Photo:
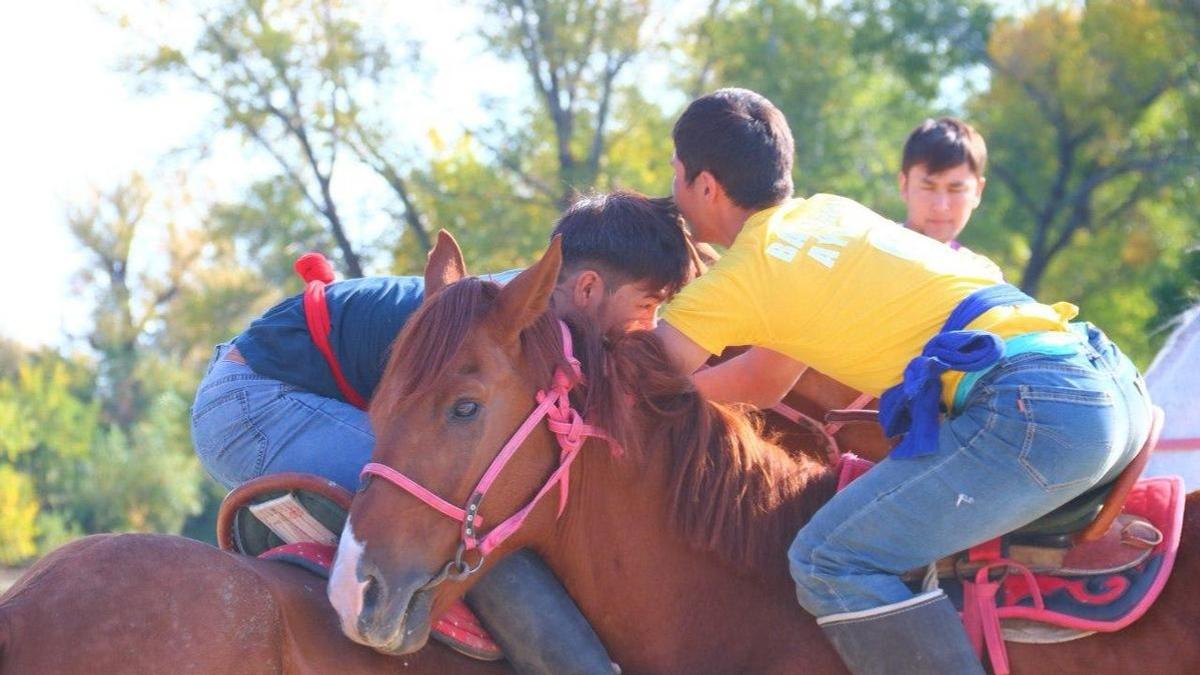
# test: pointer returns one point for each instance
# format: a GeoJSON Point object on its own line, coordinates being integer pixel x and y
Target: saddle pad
{"type": "Point", "coordinates": [458, 628]}
{"type": "Point", "coordinates": [1108, 602]}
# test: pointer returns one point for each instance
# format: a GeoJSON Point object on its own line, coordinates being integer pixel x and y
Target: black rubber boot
{"type": "Point", "coordinates": [921, 636]}
{"type": "Point", "coordinates": [529, 614]}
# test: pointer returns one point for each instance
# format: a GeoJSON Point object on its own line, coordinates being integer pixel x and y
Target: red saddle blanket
{"type": "Point", "coordinates": [1002, 597]}
{"type": "Point", "coordinates": [458, 628]}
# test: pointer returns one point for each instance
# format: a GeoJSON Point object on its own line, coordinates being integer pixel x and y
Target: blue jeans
{"type": "Point", "coordinates": [1034, 433]}
{"type": "Point", "coordinates": [245, 425]}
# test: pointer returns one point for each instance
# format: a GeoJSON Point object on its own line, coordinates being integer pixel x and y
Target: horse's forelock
{"type": "Point", "coordinates": [433, 337]}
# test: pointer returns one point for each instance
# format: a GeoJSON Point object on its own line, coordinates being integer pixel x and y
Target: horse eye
{"type": "Point", "coordinates": [464, 410]}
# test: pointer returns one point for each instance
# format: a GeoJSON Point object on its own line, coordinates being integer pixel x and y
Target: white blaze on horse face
{"type": "Point", "coordinates": [345, 590]}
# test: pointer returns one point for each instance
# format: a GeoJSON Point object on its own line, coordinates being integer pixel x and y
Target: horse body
{"type": "Point", "coordinates": [157, 604]}
{"type": "Point", "coordinates": [676, 552]}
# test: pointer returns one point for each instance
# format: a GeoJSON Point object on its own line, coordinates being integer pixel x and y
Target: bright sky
{"type": "Point", "coordinates": [69, 124]}
{"type": "Point", "coordinates": [66, 122]}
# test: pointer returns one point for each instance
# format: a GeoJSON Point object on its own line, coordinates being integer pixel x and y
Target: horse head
{"type": "Point", "coordinates": [463, 375]}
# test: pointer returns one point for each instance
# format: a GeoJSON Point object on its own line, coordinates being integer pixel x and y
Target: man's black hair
{"type": "Point", "coordinates": [627, 237]}
{"type": "Point", "coordinates": [743, 140]}
{"type": "Point", "coordinates": [943, 144]}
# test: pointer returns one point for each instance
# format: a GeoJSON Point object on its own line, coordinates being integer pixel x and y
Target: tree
{"type": "Point", "coordinates": [1083, 116]}
{"type": "Point", "coordinates": [48, 421]}
{"type": "Point", "coordinates": [496, 221]}
{"type": "Point", "coordinates": [105, 228]}
{"type": "Point", "coordinates": [291, 77]}
{"type": "Point", "coordinates": [922, 41]}
{"type": "Point", "coordinates": [575, 52]}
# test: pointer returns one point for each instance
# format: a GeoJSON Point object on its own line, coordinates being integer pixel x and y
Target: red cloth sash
{"type": "Point", "coordinates": [317, 273]}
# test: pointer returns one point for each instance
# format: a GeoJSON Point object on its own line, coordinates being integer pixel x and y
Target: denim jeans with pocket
{"type": "Point", "coordinates": [1034, 433]}
{"type": "Point", "coordinates": [245, 425]}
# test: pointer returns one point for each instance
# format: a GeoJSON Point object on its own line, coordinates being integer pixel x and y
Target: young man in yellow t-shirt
{"type": "Point", "coordinates": [993, 381]}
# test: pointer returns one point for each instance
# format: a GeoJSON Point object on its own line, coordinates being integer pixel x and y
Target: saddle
{"type": "Point", "coordinates": [296, 518]}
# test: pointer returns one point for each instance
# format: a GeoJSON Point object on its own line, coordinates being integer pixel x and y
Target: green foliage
{"type": "Point", "coordinates": [267, 230]}
{"type": "Point", "coordinates": [47, 425]}
{"type": "Point", "coordinates": [848, 122]}
{"type": "Point", "coordinates": [497, 222]}
{"type": "Point", "coordinates": [146, 481]}
{"type": "Point", "coordinates": [922, 41]}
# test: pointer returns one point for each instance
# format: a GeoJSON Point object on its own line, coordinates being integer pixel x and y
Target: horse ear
{"type": "Point", "coordinates": [527, 297]}
{"type": "Point", "coordinates": [445, 265]}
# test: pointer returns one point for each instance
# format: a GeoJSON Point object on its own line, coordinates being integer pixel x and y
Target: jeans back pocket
{"type": "Point", "coordinates": [1068, 435]}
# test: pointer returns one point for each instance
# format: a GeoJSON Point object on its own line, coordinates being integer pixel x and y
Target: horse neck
{"type": "Point", "coordinates": [632, 572]}
{"type": "Point", "coordinates": [823, 392]}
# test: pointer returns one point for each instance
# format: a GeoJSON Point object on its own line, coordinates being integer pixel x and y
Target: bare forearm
{"type": "Point", "coordinates": [759, 377]}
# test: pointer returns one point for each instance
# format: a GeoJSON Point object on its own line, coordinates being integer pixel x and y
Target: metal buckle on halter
{"type": "Point", "coordinates": [457, 569]}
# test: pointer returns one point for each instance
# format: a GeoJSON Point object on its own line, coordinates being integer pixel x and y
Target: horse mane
{"type": "Point", "coordinates": [731, 492]}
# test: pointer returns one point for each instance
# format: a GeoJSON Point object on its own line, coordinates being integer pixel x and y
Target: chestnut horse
{"type": "Point", "coordinates": [141, 603]}
{"type": "Point", "coordinates": [674, 546]}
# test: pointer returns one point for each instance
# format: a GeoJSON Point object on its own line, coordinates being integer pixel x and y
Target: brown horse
{"type": "Point", "coordinates": [160, 604]}
{"type": "Point", "coordinates": [675, 548]}
{"type": "Point", "coordinates": [800, 421]}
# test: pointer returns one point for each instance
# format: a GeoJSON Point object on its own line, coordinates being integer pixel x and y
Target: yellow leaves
{"type": "Point", "coordinates": [1088, 65]}
{"type": "Point", "coordinates": [436, 142]}
{"type": "Point", "coordinates": [39, 408]}
{"type": "Point", "coordinates": [18, 517]}
{"type": "Point", "coordinates": [166, 56]}
{"type": "Point", "coordinates": [1140, 248]}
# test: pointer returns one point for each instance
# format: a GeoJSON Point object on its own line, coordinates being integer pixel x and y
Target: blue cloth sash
{"type": "Point", "coordinates": [912, 407]}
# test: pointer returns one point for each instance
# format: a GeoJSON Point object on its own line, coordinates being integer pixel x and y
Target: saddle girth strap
{"type": "Point", "coordinates": [317, 273]}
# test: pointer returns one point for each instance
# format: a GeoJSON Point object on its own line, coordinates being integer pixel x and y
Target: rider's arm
{"type": "Point", "coordinates": [685, 353]}
{"type": "Point", "coordinates": [759, 377]}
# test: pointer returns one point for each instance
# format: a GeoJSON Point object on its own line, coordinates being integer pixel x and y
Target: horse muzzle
{"type": "Point", "coordinates": [388, 613]}
{"type": "Point", "coordinates": [392, 617]}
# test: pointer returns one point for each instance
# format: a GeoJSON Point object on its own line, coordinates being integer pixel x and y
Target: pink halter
{"type": "Point", "coordinates": [570, 430]}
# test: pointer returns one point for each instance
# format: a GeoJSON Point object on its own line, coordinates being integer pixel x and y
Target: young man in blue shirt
{"type": "Point", "coordinates": [269, 402]}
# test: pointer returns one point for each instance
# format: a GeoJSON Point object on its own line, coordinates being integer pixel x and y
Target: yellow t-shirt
{"type": "Point", "coordinates": [834, 285]}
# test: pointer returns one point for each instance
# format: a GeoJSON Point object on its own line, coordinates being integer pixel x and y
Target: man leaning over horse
{"type": "Point", "coordinates": [269, 402]}
{"type": "Point", "coordinates": [1008, 410]}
